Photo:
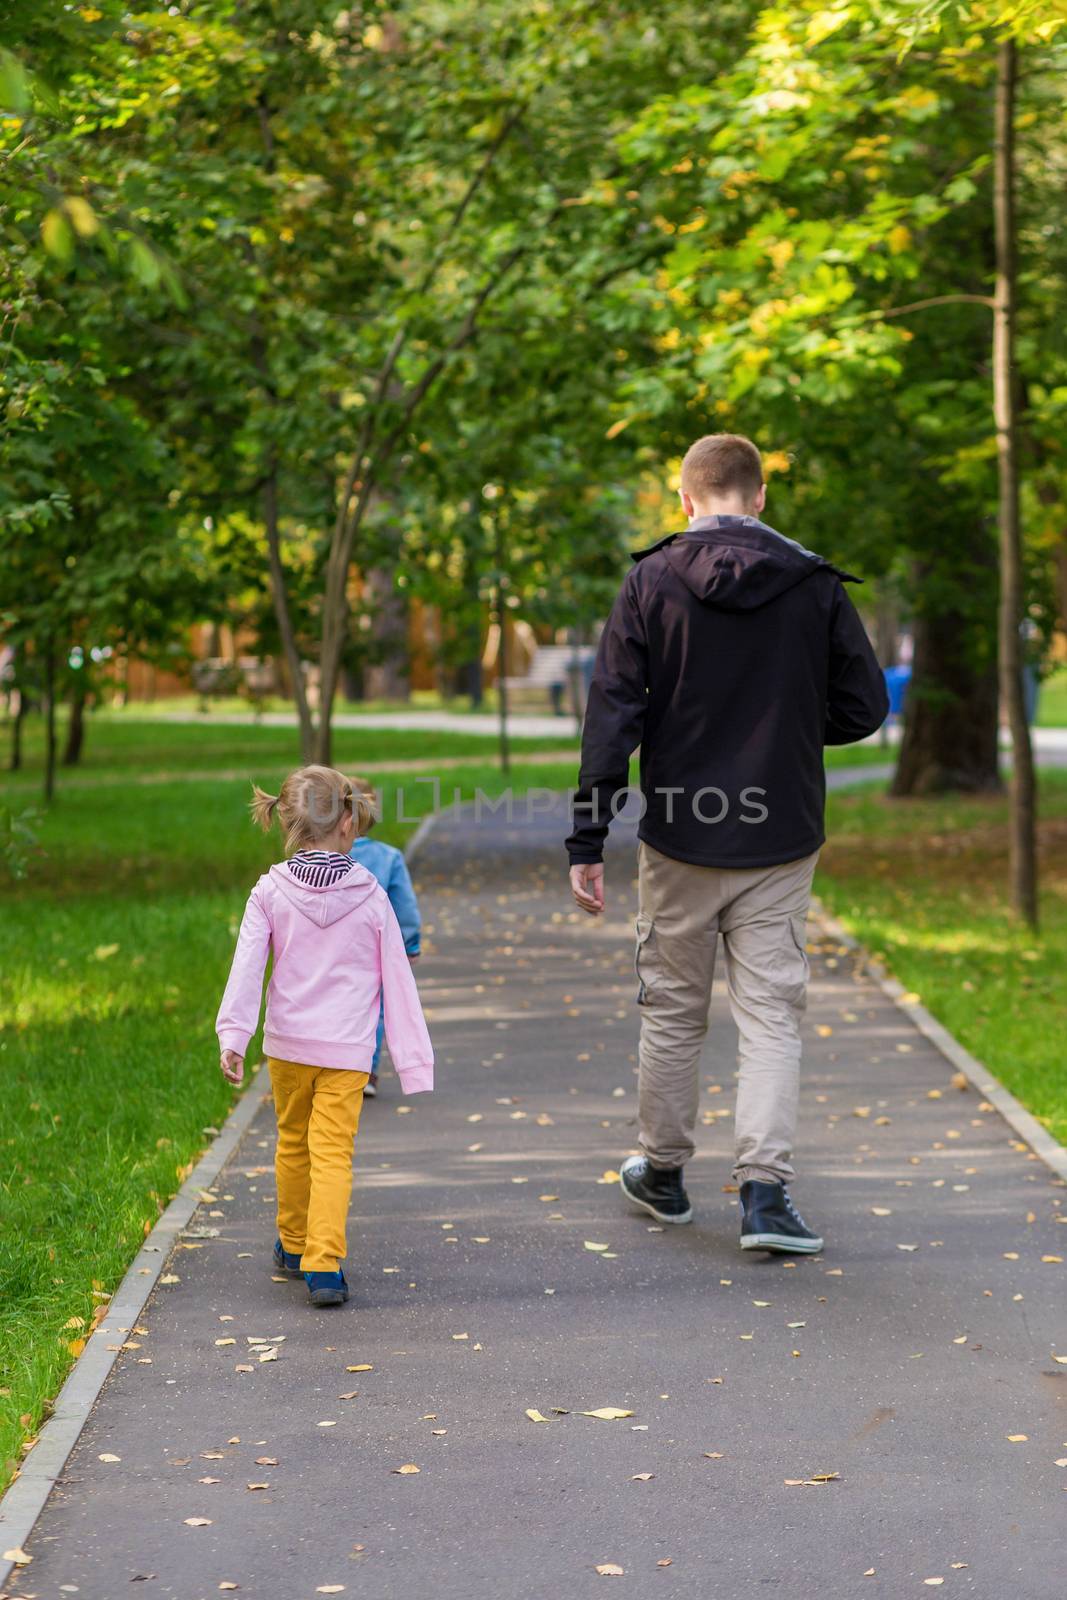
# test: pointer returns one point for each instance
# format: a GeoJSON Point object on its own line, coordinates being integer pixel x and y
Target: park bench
{"type": "Point", "coordinates": [248, 675]}
{"type": "Point", "coordinates": [555, 667]}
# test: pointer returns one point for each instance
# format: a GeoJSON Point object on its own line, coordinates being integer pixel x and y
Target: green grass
{"type": "Point", "coordinates": [419, 700]}
{"type": "Point", "coordinates": [1052, 701]}
{"type": "Point", "coordinates": [115, 952]}
{"type": "Point", "coordinates": [123, 743]}
{"type": "Point", "coordinates": [923, 883]}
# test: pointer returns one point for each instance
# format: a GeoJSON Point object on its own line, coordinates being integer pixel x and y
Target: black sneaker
{"type": "Point", "coordinates": [770, 1220]}
{"type": "Point", "coordinates": [657, 1190]}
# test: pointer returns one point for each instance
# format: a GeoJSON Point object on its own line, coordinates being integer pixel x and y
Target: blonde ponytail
{"type": "Point", "coordinates": [365, 808]}
{"type": "Point", "coordinates": [263, 807]}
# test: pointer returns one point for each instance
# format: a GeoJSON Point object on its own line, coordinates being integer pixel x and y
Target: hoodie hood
{"type": "Point", "coordinates": [324, 904]}
{"type": "Point", "coordinates": [740, 563]}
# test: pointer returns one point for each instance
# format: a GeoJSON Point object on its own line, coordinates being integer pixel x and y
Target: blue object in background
{"type": "Point", "coordinates": [896, 682]}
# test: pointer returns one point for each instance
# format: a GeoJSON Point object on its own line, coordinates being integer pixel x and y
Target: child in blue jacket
{"type": "Point", "coordinates": [387, 864]}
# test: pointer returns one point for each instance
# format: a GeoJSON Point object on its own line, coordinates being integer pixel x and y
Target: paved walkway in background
{"type": "Point", "coordinates": [520, 725]}
{"type": "Point", "coordinates": [497, 1271]}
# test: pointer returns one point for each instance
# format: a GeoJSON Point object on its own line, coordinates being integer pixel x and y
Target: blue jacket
{"type": "Point", "coordinates": [387, 864]}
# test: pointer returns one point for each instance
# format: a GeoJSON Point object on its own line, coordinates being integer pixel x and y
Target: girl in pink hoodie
{"type": "Point", "coordinates": [338, 956]}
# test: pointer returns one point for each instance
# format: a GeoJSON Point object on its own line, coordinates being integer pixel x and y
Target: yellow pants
{"type": "Point", "coordinates": [318, 1113]}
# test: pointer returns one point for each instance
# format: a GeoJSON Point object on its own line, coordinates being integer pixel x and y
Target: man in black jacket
{"type": "Point", "coordinates": [732, 656]}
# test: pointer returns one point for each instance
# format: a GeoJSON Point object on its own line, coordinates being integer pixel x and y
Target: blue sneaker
{"type": "Point", "coordinates": [327, 1288]}
{"type": "Point", "coordinates": [285, 1261]}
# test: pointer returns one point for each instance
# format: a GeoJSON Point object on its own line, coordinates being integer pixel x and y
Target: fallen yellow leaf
{"type": "Point", "coordinates": [609, 1569]}
{"type": "Point", "coordinates": [591, 1245]}
{"type": "Point", "coordinates": [362, 1367]}
{"type": "Point", "coordinates": [607, 1413]}
{"type": "Point", "coordinates": [406, 1470]}
{"type": "Point", "coordinates": [1017, 1438]}
{"type": "Point", "coordinates": [535, 1416]}
{"type": "Point", "coordinates": [642, 1477]}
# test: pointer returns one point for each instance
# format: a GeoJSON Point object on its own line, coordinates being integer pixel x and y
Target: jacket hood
{"type": "Point", "coordinates": [740, 563]}
{"type": "Point", "coordinates": [329, 902]}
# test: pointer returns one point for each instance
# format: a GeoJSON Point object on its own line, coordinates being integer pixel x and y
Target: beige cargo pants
{"type": "Point", "coordinates": [760, 913]}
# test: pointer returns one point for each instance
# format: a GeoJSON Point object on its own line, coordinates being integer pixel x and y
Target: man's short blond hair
{"type": "Point", "coordinates": [722, 464]}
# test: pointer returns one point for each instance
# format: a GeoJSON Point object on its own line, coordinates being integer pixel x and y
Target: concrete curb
{"type": "Point", "coordinates": [1015, 1114]}
{"type": "Point", "coordinates": [25, 1499]}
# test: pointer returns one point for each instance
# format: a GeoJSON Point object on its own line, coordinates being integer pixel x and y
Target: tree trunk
{"type": "Point", "coordinates": [1059, 566]}
{"type": "Point", "coordinates": [502, 652]}
{"type": "Point", "coordinates": [388, 678]}
{"type": "Point", "coordinates": [886, 627]}
{"type": "Point", "coordinates": [76, 726]}
{"type": "Point", "coordinates": [50, 721]}
{"type": "Point", "coordinates": [950, 720]}
{"type": "Point", "coordinates": [1023, 813]}
{"type": "Point", "coordinates": [280, 597]}
{"type": "Point", "coordinates": [15, 762]}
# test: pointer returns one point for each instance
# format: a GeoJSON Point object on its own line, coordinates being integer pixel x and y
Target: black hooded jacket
{"type": "Point", "coordinates": [732, 656]}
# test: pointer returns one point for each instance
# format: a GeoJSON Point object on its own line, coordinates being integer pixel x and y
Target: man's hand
{"type": "Point", "coordinates": [587, 886]}
{"type": "Point", "coordinates": [233, 1066]}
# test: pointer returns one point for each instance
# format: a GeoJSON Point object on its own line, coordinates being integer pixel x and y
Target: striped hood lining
{"type": "Point", "coordinates": [318, 868]}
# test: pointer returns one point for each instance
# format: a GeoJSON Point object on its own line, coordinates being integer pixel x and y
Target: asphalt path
{"type": "Point", "coordinates": [888, 1419]}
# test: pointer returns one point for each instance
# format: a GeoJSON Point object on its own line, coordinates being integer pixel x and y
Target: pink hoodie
{"type": "Point", "coordinates": [337, 949]}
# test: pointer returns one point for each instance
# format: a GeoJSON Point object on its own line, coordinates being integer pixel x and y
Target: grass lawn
{"type": "Point", "coordinates": [922, 883]}
{"type": "Point", "coordinates": [140, 745]}
{"type": "Point", "coordinates": [127, 742]}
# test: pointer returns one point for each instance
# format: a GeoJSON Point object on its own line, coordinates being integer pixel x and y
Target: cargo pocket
{"type": "Point", "coordinates": [798, 927]}
{"type": "Point", "coordinates": [645, 963]}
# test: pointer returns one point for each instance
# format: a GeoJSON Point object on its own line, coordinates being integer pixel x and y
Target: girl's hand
{"type": "Point", "coordinates": [233, 1066]}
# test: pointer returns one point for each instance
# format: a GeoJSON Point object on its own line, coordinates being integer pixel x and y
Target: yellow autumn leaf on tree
{"type": "Point", "coordinates": [82, 215]}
